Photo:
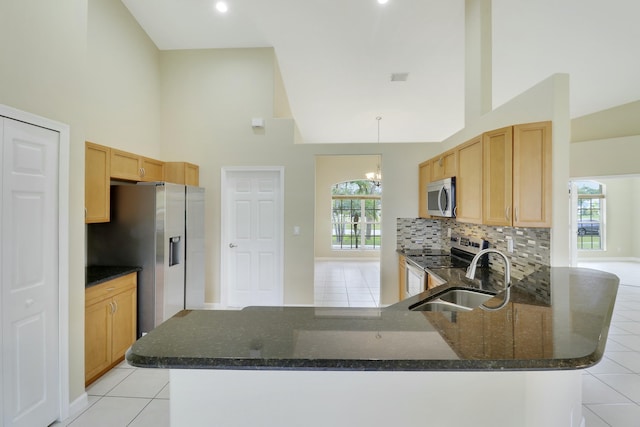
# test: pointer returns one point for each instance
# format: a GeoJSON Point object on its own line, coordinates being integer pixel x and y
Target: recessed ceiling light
{"type": "Point", "coordinates": [383, 1]}
{"type": "Point", "coordinates": [222, 7]}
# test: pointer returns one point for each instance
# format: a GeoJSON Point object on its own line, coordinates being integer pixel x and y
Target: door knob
{"type": "Point", "coordinates": [231, 245]}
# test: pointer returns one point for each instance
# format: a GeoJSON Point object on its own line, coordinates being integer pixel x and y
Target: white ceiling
{"type": "Point", "coordinates": [336, 56]}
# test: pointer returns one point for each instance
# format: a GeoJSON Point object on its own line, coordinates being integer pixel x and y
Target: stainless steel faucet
{"type": "Point", "coordinates": [471, 273]}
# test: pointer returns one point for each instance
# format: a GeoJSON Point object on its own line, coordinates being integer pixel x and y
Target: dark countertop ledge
{"type": "Point", "coordinates": [96, 274]}
{"type": "Point", "coordinates": [568, 312]}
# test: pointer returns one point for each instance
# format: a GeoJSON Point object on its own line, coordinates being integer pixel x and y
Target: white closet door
{"type": "Point", "coordinates": [253, 228]}
{"type": "Point", "coordinates": [29, 274]}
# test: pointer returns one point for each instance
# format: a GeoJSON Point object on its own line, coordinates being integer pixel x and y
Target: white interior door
{"type": "Point", "coordinates": [29, 274]}
{"type": "Point", "coordinates": [252, 243]}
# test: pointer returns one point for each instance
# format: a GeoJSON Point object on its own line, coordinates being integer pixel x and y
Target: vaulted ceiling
{"type": "Point", "coordinates": [337, 57]}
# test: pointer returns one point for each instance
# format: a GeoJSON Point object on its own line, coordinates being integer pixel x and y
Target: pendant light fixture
{"type": "Point", "coordinates": [376, 177]}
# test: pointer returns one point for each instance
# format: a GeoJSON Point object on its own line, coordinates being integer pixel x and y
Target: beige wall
{"type": "Point", "coordinates": [123, 81]}
{"type": "Point", "coordinates": [43, 71]}
{"type": "Point", "coordinates": [614, 122]}
{"type": "Point", "coordinates": [331, 170]}
{"type": "Point", "coordinates": [208, 100]}
{"type": "Point", "coordinates": [606, 157]}
{"type": "Point", "coordinates": [89, 65]}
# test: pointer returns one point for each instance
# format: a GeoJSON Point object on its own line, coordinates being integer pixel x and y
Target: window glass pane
{"type": "Point", "coordinates": [590, 215]}
{"type": "Point", "coordinates": [356, 222]}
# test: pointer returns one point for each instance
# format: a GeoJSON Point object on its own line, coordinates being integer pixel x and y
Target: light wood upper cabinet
{"type": "Point", "coordinates": [497, 149]}
{"type": "Point", "coordinates": [443, 166]}
{"type": "Point", "coordinates": [517, 176]}
{"type": "Point", "coordinates": [469, 182]}
{"type": "Point", "coordinates": [182, 173]}
{"type": "Point", "coordinates": [110, 324]}
{"type": "Point", "coordinates": [532, 192]}
{"type": "Point", "coordinates": [424, 173]}
{"type": "Point", "coordinates": [125, 165]}
{"type": "Point", "coordinates": [152, 169]}
{"type": "Point", "coordinates": [96, 186]}
{"type": "Point", "coordinates": [132, 167]}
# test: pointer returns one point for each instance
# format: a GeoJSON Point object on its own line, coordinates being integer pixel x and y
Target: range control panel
{"type": "Point", "coordinates": [468, 244]}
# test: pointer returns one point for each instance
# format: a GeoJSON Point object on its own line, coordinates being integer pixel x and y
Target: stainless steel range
{"type": "Point", "coordinates": [420, 263]}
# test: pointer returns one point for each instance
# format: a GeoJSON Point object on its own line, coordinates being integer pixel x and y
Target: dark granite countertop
{"type": "Point", "coordinates": [557, 318]}
{"type": "Point", "coordinates": [94, 275]}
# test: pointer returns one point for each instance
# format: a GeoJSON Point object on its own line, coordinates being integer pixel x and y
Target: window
{"type": "Point", "coordinates": [590, 215]}
{"type": "Point", "coordinates": [356, 215]}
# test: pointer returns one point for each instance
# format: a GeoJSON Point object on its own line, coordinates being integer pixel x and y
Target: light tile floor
{"type": "Point", "coordinates": [127, 396]}
{"type": "Point", "coordinates": [611, 389]}
{"type": "Point", "coordinates": [347, 283]}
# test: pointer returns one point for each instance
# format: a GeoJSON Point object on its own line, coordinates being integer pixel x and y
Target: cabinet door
{"type": "Point", "coordinates": [123, 323]}
{"type": "Point", "coordinates": [402, 277]}
{"type": "Point", "coordinates": [497, 147]}
{"type": "Point", "coordinates": [182, 173]}
{"type": "Point", "coordinates": [443, 166]}
{"type": "Point", "coordinates": [424, 175]}
{"type": "Point", "coordinates": [469, 182]}
{"type": "Point", "coordinates": [191, 174]}
{"type": "Point", "coordinates": [532, 175]}
{"type": "Point", "coordinates": [96, 185]}
{"type": "Point", "coordinates": [97, 339]}
{"type": "Point", "coordinates": [152, 170]}
{"type": "Point", "coordinates": [125, 165]}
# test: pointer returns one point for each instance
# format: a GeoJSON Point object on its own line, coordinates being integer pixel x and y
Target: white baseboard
{"type": "Point", "coordinates": [609, 259]}
{"type": "Point", "coordinates": [213, 306]}
{"type": "Point", "coordinates": [77, 406]}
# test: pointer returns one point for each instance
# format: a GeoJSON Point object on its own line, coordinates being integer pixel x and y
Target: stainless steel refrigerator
{"type": "Point", "coordinates": [159, 227]}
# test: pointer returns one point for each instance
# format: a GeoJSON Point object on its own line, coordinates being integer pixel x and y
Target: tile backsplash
{"type": "Point", "coordinates": [531, 246]}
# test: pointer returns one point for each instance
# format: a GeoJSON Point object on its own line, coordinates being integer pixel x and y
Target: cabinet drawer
{"type": "Point", "coordinates": [110, 288]}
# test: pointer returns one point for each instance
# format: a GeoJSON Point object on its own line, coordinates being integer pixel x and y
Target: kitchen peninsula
{"type": "Point", "coordinates": [520, 365]}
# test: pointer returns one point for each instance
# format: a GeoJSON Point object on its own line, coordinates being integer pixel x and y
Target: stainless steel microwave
{"type": "Point", "coordinates": [441, 198]}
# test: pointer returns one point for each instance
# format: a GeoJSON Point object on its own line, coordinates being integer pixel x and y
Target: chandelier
{"type": "Point", "coordinates": [376, 177]}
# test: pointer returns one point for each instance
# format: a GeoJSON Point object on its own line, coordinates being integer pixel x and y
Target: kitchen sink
{"type": "Point", "coordinates": [453, 300]}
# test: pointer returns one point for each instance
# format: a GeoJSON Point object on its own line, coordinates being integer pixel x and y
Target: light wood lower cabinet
{"type": "Point", "coordinates": [110, 324]}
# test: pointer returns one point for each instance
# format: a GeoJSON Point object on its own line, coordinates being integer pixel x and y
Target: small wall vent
{"type": "Point", "coordinates": [399, 77]}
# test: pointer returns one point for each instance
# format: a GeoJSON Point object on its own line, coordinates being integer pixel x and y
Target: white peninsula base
{"type": "Point", "coordinates": [353, 398]}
